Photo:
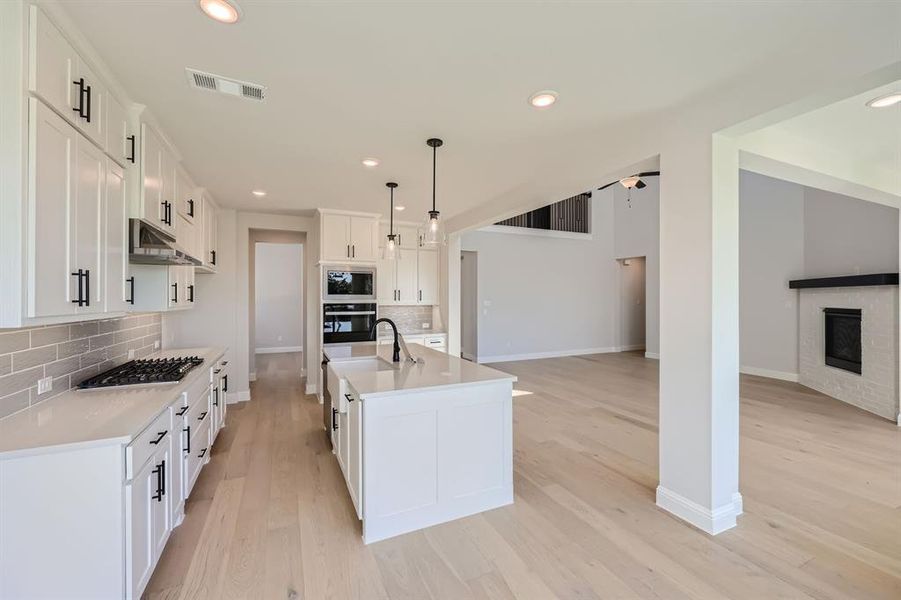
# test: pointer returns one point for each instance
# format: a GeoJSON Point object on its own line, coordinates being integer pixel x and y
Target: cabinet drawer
{"type": "Point", "coordinates": [199, 452]}
{"type": "Point", "coordinates": [148, 442]}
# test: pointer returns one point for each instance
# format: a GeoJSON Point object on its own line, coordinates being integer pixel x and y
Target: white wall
{"type": "Point", "coordinates": [279, 296]}
{"type": "Point", "coordinates": [790, 231]}
{"type": "Point", "coordinates": [554, 296]}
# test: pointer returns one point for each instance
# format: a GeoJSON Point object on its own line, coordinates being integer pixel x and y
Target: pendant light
{"type": "Point", "coordinates": [434, 230]}
{"type": "Point", "coordinates": [391, 250]}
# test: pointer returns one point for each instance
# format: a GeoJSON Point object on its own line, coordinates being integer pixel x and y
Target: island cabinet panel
{"type": "Point", "coordinates": [433, 455]}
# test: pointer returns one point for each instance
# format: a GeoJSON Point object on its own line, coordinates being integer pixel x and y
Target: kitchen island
{"type": "Point", "coordinates": [419, 444]}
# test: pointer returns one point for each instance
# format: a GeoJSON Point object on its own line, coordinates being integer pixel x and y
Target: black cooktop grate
{"type": "Point", "coordinates": [136, 372]}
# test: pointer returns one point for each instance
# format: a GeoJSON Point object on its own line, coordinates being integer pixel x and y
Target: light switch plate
{"type": "Point", "coordinates": [131, 354]}
{"type": "Point", "coordinates": [156, 345]}
{"type": "Point", "coordinates": [45, 385]}
{"type": "Point", "coordinates": [426, 325]}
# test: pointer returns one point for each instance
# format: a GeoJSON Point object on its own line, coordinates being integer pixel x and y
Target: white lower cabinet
{"type": "Point", "coordinates": [104, 536]}
{"type": "Point", "coordinates": [353, 472]}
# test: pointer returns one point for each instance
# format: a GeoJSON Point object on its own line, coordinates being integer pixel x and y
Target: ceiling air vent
{"type": "Point", "coordinates": [225, 85]}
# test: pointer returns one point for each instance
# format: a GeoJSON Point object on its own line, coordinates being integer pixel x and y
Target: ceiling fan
{"type": "Point", "coordinates": [633, 181]}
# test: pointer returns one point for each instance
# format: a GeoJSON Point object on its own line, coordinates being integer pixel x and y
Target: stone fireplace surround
{"type": "Point", "coordinates": [876, 389]}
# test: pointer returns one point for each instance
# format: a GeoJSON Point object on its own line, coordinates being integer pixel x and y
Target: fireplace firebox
{"type": "Point", "coordinates": [842, 330]}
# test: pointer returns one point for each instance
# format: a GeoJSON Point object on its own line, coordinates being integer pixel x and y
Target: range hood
{"type": "Point", "coordinates": [147, 245]}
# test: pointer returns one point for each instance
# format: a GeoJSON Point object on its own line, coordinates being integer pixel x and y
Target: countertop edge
{"type": "Point", "coordinates": [429, 388]}
{"type": "Point", "coordinates": [215, 352]}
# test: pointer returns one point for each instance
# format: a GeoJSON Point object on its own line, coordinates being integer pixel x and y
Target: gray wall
{"type": "Point", "coordinates": [771, 246]}
{"type": "Point", "coordinates": [558, 296]}
{"type": "Point", "coordinates": [789, 231]}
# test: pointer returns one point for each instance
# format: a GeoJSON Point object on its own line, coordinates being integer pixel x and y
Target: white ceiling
{"type": "Point", "coordinates": [348, 80]}
{"type": "Point", "coordinates": [846, 139]}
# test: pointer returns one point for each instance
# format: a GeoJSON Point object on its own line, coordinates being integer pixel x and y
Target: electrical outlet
{"type": "Point", "coordinates": [45, 385]}
{"type": "Point", "coordinates": [426, 325]}
{"type": "Point", "coordinates": [156, 345]}
{"type": "Point", "coordinates": [131, 354]}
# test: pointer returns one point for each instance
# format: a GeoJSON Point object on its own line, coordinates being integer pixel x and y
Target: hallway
{"type": "Point", "coordinates": [270, 516]}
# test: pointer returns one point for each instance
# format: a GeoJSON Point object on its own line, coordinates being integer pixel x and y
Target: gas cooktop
{"type": "Point", "coordinates": [138, 372]}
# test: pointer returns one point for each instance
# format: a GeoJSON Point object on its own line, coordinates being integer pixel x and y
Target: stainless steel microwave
{"type": "Point", "coordinates": [348, 284]}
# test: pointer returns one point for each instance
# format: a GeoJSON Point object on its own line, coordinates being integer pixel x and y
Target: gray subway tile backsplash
{"type": "Point", "coordinates": [69, 354]}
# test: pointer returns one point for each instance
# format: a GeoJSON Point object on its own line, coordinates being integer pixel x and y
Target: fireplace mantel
{"type": "Point", "coordinates": [845, 281]}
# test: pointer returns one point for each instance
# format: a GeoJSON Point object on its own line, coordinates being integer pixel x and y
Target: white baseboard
{"type": "Point", "coordinates": [631, 348]}
{"type": "Point", "coordinates": [710, 521]}
{"type": "Point", "coordinates": [279, 350]}
{"type": "Point", "coordinates": [783, 375]}
{"type": "Point", "coordinates": [252, 376]}
{"type": "Point", "coordinates": [311, 389]}
{"type": "Point", "coordinates": [553, 354]}
{"type": "Point", "coordinates": [244, 396]}
{"type": "Point", "coordinates": [652, 355]}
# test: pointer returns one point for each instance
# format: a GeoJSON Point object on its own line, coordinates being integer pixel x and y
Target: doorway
{"type": "Point", "coordinates": [633, 314]}
{"type": "Point", "coordinates": [469, 306]}
{"type": "Point", "coordinates": [277, 298]}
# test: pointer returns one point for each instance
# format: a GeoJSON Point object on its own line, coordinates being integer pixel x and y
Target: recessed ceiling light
{"type": "Point", "coordinates": [224, 11]}
{"type": "Point", "coordinates": [885, 101]}
{"type": "Point", "coordinates": [370, 162]}
{"type": "Point", "coordinates": [399, 207]}
{"type": "Point", "coordinates": [543, 99]}
{"type": "Point", "coordinates": [258, 193]}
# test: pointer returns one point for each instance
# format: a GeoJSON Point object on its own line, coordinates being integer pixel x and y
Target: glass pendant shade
{"type": "Point", "coordinates": [391, 251]}
{"type": "Point", "coordinates": [433, 232]}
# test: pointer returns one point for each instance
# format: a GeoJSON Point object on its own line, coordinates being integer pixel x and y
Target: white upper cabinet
{"type": "Point", "coordinates": [52, 65]}
{"type": "Point", "coordinates": [121, 141]}
{"type": "Point", "coordinates": [90, 189]}
{"type": "Point", "coordinates": [51, 208]}
{"type": "Point", "coordinates": [349, 237]}
{"type": "Point", "coordinates": [185, 192]}
{"type": "Point", "coordinates": [210, 224]}
{"type": "Point", "coordinates": [59, 76]}
{"type": "Point", "coordinates": [427, 277]}
{"type": "Point", "coordinates": [118, 283]}
{"type": "Point", "coordinates": [151, 194]}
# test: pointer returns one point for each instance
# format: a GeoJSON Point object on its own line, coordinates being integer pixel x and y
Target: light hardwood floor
{"type": "Point", "coordinates": [270, 516]}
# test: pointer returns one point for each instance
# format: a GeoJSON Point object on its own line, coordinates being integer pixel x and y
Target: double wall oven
{"type": "Point", "coordinates": [349, 304]}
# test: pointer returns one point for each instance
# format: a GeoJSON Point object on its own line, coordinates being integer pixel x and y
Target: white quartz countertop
{"type": "Point", "coordinates": [436, 370]}
{"type": "Point", "coordinates": [98, 416]}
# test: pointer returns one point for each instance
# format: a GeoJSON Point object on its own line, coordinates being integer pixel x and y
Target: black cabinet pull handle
{"type": "Point", "coordinates": [175, 287]}
{"type": "Point", "coordinates": [335, 419]}
{"type": "Point", "coordinates": [183, 410]}
{"type": "Point", "coordinates": [191, 293]}
{"type": "Point", "coordinates": [80, 108]}
{"type": "Point", "coordinates": [349, 397]}
{"type": "Point", "coordinates": [160, 472]}
{"type": "Point", "coordinates": [420, 295]}
{"type": "Point", "coordinates": [224, 362]}
{"type": "Point", "coordinates": [213, 255]}
{"type": "Point", "coordinates": [216, 396]}
{"type": "Point", "coordinates": [88, 116]}
{"type": "Point", "coordinates": [188, 438]}
{"type": "Point", "coordinates": [190, 207]}
{"type": "Point", "coordinates": [131, 140]}
{"type": "Point", "coordinates": [216, 371]}
{"type": "Point", "coordinates": [348, 251]}
{"type": "Point", "coordinates": [160, 437]}
{"type": "Point", "coordinates": [202, 452]}
{"type": "Point", "coordinates": [80, 275]}
{"type": "Point", "coordinates": [131, 284]}
{"type": "Point", "coordinates": [225, 383]}
{"type": "Point", "coordinates": [202, 416]}
{"type": "Point", "coordinates": [353, 251]}
{"type": "Point", "coordinates": [87, 287]}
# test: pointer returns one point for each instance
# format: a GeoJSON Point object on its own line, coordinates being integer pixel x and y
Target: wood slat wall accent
{"type": "Point", "coordinates": [572, 214]}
